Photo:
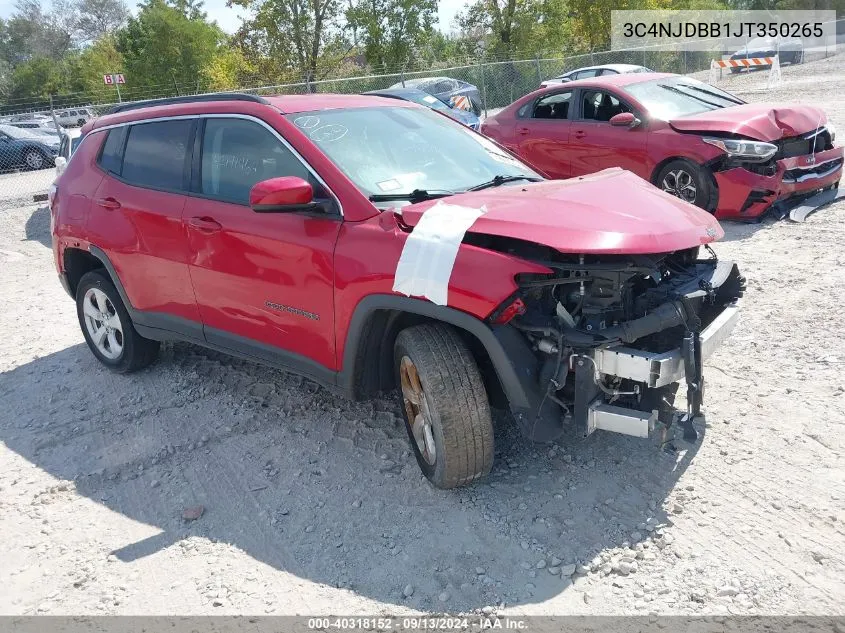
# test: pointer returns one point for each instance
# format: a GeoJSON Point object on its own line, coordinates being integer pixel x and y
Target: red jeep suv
{"type": "Point", "coordinates": [372, 244]}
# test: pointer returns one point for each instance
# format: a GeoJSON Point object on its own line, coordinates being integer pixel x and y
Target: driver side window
{"type": "Point", "coordinates": [554, 106]}
{"type": "Point", "coordinates": [236, 154]}
{"type": "Point", "coordinates": [601, 106]}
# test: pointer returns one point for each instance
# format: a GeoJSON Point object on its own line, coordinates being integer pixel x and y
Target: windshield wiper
{"type": "Point", "coordinates": [686, 94]}
{"type": "Point", "coordinates": [714, 94]}
{"type": "Point", "coordinates": [417, 195]}
{"type": "Point", "coordinates": [500, 180]}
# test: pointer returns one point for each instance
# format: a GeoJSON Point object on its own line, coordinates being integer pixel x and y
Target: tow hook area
{"type": "Point", "coordinates": [691, 351]}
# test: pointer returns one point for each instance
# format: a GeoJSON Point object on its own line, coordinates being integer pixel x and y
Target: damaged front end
{"type": "Point", "coordinates": [801, 168]}
{"type": "Point", "coordinates": [603, 341]}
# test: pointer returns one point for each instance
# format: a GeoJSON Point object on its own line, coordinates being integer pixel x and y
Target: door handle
{"type": "Point", "coordinates": [522, 131]}
{"type": "Point", "coordinates": [206, 224]}
{"type": "Point", "coordinates": [579, 134]}
{"type": "Point", "coordinates": [108, 203]}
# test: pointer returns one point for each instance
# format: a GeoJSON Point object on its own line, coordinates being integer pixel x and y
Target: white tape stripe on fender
{"type": "Point", "coordinates": [425, 265]}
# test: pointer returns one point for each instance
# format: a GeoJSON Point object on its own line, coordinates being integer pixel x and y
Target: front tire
{"type": "Point", "coordinates": [445, 405]}
{"type": "Point", "coordinates": [689, 182]}
{"type": "Point", "coordinates": [107, 327]}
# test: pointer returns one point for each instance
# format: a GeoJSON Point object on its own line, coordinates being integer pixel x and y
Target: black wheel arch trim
{"type": "Point", "coordinates": [154, 325]}
{"type": "Point", "coordinates": [512, 359]}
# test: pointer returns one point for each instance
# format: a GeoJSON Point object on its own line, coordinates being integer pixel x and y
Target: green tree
{"type": "Point", "coordinates": [299, 36]}
{"type": "Point", "coordinates": [162, 46]}
{"type": "Point", "coordinates": [507, 27]}
{"type": "Point", "coordinates": [37, 78]}
{"type": "Point", "coordinates": [31, 32]}
{"type": "Point", "coordinates": [5, 79]}
{"type": "Point", "coordinates": [87, 68]}
{"type": "Point", "coordinates": [97, 18]}
{"type": "Point", "coordinates": [227, 70]}
{"type": "Point", "coordinates": [391, 30]}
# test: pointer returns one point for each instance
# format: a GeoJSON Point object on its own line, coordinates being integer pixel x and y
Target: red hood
{"type": "Point", "coordinates": [755, 121]}
{"type": "Point", "coordinates": [612, 211]}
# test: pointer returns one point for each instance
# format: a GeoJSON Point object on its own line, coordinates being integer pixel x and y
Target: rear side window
{"type": "Point", "coordinates": [155, 154]}
{"type": "Point", "coordinates": [111, 156]}
{"type": "Point", "coordinates": [554, 106]}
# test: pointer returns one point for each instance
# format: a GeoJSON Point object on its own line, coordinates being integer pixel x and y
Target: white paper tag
{"type": "Point", "coordinates": [427, 259]}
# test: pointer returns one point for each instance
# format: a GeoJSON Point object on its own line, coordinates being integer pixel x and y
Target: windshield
{"type": "Point", "coordinates": [17, 132]}
{"type": "Point", "coordinates": [673, 97]}
{"type": "Point", "coordinates": [396, 150]}
{"type": "Point", "coordinates": [74, 143]}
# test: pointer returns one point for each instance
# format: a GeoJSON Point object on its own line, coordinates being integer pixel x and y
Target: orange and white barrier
{"type": "Point", "coordinates": [744, 63]}
{"type": "Point", "coordinates": [461, 102]}
{"type": "Point", "coordinates": [717, 65]}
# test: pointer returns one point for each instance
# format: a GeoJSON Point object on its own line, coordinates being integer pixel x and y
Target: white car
{"type": "Point", "coordinates": [595, 71]}
{"type": "Point", "coordinates": [75, 117]}
{"type": "Point", "coordinates": [71, 138]}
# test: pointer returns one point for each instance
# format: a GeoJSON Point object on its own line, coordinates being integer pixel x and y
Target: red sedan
{"type": "Point", "coordinates": [693, 140]}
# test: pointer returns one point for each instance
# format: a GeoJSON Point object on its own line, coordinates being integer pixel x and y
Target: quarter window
{"type": "Point", "coordinates": [155, 154]}
{"type": "Point", "coordinates": [236, 154]}
{"type": "Point", "coordinates": [554, 106]}
{"type": "Point", "coordinates": [111, 157]}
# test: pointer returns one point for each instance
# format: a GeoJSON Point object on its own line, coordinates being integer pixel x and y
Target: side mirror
{"type": "Point", "coordinates": [285, 194]}
{"type": "Point", "coordinates": [625, 119]}
{"type": "Point", "coordinates": [61, 163]}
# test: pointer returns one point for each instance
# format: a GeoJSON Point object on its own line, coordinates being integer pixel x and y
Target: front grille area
{"type": "Point", "coordinates": [820, 169]}
{"type": "Point", "coordinates": [817, 140]}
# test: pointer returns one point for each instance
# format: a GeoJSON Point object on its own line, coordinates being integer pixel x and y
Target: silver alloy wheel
{"type": "Point", "coordinates": [416, 406]}
{"type": "Point", "coordinates": [34, 159]}
{"type": "Point", "coordinates": [681, 184]}
{"type": "Point", "coordinates": [103, 323]}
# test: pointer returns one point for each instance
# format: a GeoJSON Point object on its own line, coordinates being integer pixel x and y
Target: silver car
{"type": "Point", "coordinates": [595, 71]}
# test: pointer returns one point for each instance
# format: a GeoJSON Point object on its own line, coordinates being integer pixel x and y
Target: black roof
{"type": "Point", "coordinates": [221, 96]}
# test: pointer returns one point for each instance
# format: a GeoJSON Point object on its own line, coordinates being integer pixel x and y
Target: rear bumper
{"type": "Point", "coordinates": [747, 195]}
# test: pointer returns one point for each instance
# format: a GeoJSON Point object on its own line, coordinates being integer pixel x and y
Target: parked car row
{"type": "Point", "coordinates": [73, 117]}
{"type": "Point", "coordinates": [25, 149]}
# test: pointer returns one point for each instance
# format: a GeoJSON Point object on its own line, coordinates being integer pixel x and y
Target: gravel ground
{"type": "Point", "coordinates": [314, 505]}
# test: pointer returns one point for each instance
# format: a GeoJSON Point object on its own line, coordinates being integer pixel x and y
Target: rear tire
{"type": "Point", "coordinates": [107, 327]}
{"type": "Point", "coordinates": [690, 182]}
{"type": "Point", "coordinates": [445, 405]}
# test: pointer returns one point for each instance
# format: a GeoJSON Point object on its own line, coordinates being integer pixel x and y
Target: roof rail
{"type": "Point", "coordinates": [219, 96]}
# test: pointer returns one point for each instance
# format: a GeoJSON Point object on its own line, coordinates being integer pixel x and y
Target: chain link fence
{"type": "Point", "coordinates": [27, 155]}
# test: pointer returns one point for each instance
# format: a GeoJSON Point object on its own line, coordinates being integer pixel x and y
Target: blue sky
{"type": "Point", "coordinates": [228, 18]}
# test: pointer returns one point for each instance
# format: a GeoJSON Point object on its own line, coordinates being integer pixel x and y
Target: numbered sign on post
{"type": "Point", "coordinates": [119, 79]}
{"type": "Point", "coordinates": [108, 80]}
